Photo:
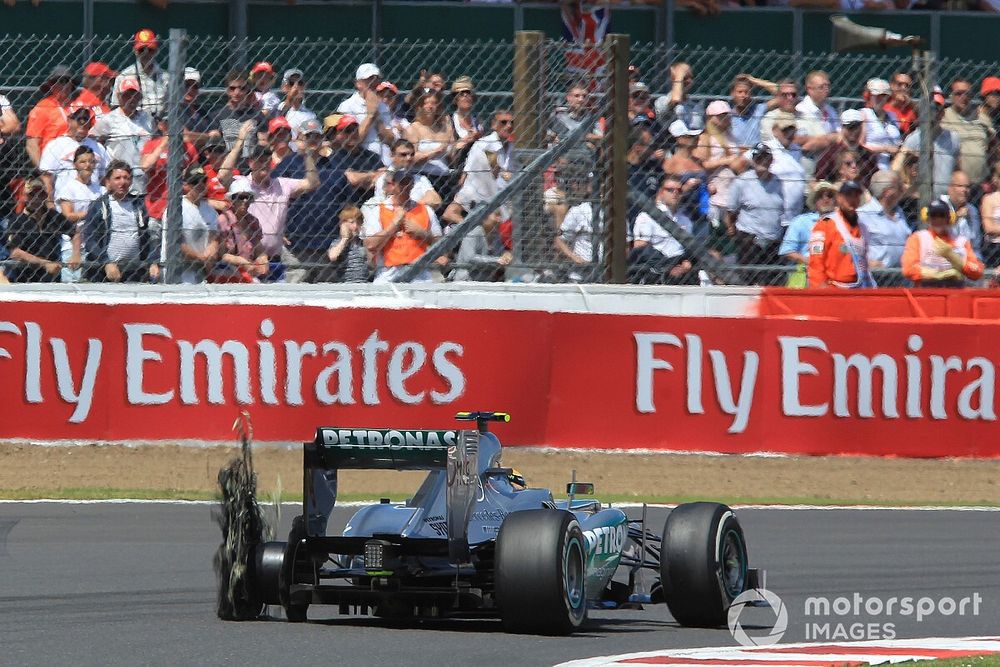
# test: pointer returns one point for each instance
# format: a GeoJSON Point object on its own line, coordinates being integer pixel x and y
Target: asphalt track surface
{"type": "Point", "coordinates": [133, 584]}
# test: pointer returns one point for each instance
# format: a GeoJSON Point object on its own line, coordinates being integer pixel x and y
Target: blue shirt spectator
{"type": "Point", "coordinates": [885, 221]}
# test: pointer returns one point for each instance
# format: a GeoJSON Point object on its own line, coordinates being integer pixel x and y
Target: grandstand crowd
{"type": "Point", "coordinates": [769, 177]}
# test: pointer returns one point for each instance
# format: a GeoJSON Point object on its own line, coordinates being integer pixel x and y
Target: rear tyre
{"type": "Point", "coordinates": [703, 563]}
{"type": "Point", "coordinates": [540, 572]}
{"type": "Point", "coordinates": [295, 613]}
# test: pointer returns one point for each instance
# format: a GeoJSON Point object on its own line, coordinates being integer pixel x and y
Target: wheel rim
{"type": "Point", "coordinates": [573, 568]}
{"type": "Point", "coordinates": [734, 563]}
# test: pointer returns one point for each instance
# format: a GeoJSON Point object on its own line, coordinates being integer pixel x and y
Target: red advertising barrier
{"type": "Point", "coordinates": [977, 304]}
{"type": "Point", "coordinates": [92, 372]}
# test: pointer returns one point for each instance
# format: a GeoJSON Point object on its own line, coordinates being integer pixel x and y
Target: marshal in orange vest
{"type": "Point", "coordinates": [402, 248]}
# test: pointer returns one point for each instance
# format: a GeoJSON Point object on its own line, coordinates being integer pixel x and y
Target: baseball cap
{"type": "Point", "coordinates": [367, 71]}
{"type": "Point", "coordinates": [310, 126]}
{"type": "Point", "coordinates": [129, 83]}
{"type": "Point", "coordinates": [289, 73]}
{"type": "Point", "coordinates": [80, 111]}
{"type": "Point", "coordinates": [761, 150]}
{"type": "Point", "coordinates": [145, 39]}
{"type": "Point", "coordinates": [679, 129]}
{"type": "Point", "coordinates": [98, 68]}
{"type": "Point", "coordinates": [262, 67]}
{"type": "Point", "coordinates": [332, 121]}
{"type": "Point", "coordinates": [386, 85]}
{"type": "Point", "coordinates": [851, 117]}
{"type": "Point", "coordinates": [239, 186]}
{"type": "Point", "coordinates": [847, 187]}
{"type": "Point", "coordinates": [195, 173]}
{"type": "Point", "coordinates": [717, 108]}
{"type": "Point", "coordinates": [638, 87]}
{"type": "Point", "coordinates": [191, 74]}
{"type": "Point", "coordinates": [346, 121]}
{"type": "Point", "coordinates": [818, 188]}
{"type": "Point", "coordinates": [783, 119]}
{"type": "Point", "coordinates": [938, 96]}
{"type": "Point", "coordinates": [991, 84]}
{"type": "Point", "coordinates": [277, 123]}
{"type": "Point", "coordinates": [938, 207]}
{"type": "Point", "coordinates": [878, 87]}
{"type": "Point", "coordinates": [462, 83]}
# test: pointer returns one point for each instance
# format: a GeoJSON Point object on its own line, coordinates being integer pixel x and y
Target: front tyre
{"type": "Point", "coordinates": [703, 563]}
{"type": "Point", "coordinates": [540, 572]}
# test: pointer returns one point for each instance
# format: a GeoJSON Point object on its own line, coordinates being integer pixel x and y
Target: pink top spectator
{"type": "Point", "coordinates": [270, 207]}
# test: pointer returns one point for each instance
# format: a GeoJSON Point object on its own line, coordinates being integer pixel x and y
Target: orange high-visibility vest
{"type": "Point", "coordinates": [402, 248]}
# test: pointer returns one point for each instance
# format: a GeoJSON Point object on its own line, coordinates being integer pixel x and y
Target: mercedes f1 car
{"type": "Point", "coordinates": [475, 541]}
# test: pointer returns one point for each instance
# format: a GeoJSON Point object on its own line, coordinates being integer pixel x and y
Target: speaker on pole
{"type": "Point", "coordinates": [849, 36]}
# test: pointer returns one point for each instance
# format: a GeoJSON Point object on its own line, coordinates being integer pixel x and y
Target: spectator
{"type": "Point", "coordinates": [425, 83]}
{"type": "Point", "coordinates": [491, 164]}
{"type": "Point", "coordinates": [565, 119]}
{"type": "Point", "coordinates": [967, 222]}
{"type": "Point", "coordinates": [644, 174]}
{"type": "Point", "coordinates": [909, 177]}
{"type": "Point", "coordinates": [47, 119]}
{"type": "Point", "coordinates": [212, 154]}
{"type": "Point", "coordinates": [361, 167]}
{"type": "Point", "coordinates": [9, 122]}
{"type": "Point", "coordinates": [901, 105]}
{"type": "Point", "coordinates": [271, 195]}
{"type": "Point", "coordinates": [795, 243]}
{"type": "Point", "coordinates": [152, 81]}
{"type": "Point", "coordinates": [240, 108]}
{"type": "Point", "coordinates": [463, 121]}
{"type": "Point", "coordinates": [57, 165]}
{"type": "Point", "coordinates": [262, 76]}
{"type": "Point", "coordinates": [348, 250]}
{"type": "Point", "coordinates": [371, 113]}
{"type": "Point", "coordinates": [678, 105]}
{"type": "Point", "coordinates": [689, 169]}
{"type": "Point", "coordinates": [580, 238]}
{"type": "Point", "coordinates": [154, 165]}
{"type": "Point", "coordinates": [97, 79]}
{"type": "Point", "coordinates": [72, 200]}
{"type": "Point", "coordinates": [848, 169]}
{"type": "Point", "coordinates": [279, 139]}
{"type": "Point", "coordinates": [641, 113]}
{"type": "Point", "coordinates": [389, 94]}
{"type": "Point", "coordinates": [755, 209]}
{"type": "Point", "coordinates": [885, 221]}
{"type": "Point", "coordinates": [126, 129]}
{"type": "Point", "coordinates": [991, 222]}
{"type": "Point", "coordinates": [402, 160]}
{"type": "Point", "coordinates": [989, 110]}
{"type": "Point", "coordinates": [974, 137]}
{"type": "Point", "coordinates": [747, 115]}
{"type": "Point", "coordinates": [197, 122]}
{"type": "Point", "coordinates": [838, 247]}
{"type": "Point", "coordinates": [432, 135]}
{"type": "Point", "coordinates": [656, 256]}
{"type": "Point", "coordinates": [817, 120]}
{"type": "Point", "coordinates": [720, 155]}
{"type": "Point", "coordinates": [946, 149]}
{"type": "Point", "coordinates": [879, 133]}
{"type": "Point", "coordinates": [293, 85]}
{"type": "Point", "coordinates": [786, 99]}
{"type": "Point", "coordinates": [938, 256]}
{"type": "Point", "coordinates": [400, 230]}
{"type": "Point", "coordinates": [849, 139]}
{"type": "Point", "coordinates": [787, 165]}
{"type": "Point", "coordinates": [313, 218]}
{"type": "Point", "coordinates": [117, 233]}
{"type": "Point", "coordinates": [199, 228]}
{"type": "Point", "coordinates": [241, 249]}
{"type": "Point", "coordinates": [35, 237]}
{"type": "Point", "coordinates": [482, 256]}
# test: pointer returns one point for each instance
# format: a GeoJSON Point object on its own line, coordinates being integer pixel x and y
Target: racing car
{"type": "Point", "coordinates": [476, 541]}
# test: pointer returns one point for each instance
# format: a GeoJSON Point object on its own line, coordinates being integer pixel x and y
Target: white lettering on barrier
{"type": "Point", "coordinates": [135, 357]}
{"type": "Point", "coordinates": [791, 368]}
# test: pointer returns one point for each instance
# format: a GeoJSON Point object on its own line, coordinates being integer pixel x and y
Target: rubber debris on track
{"type": "Point", "coordinates": [806, 655]}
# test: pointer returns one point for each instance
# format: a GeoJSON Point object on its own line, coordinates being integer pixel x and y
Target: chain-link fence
{"type": "Point", "coordinates": [320, 161]}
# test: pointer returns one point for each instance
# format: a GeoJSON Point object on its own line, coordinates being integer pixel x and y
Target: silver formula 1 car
{"type": "Point", "coordinates": [475, 541]}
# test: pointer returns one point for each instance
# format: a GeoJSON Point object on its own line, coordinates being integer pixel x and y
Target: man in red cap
{"type": "Point", "coordinates": [152, 80]}
{"type": "Point", "coordinates": [126, 129]}
{"type": "Point", "coordinates": [989, 110]}
{"type": "Point", "coordinates": [279, 139]}
{"type": "Point", "coordinates": [47, 119]}
{"type": "Point", "coordinates": [97, 78]}
{"type": "Point", "coordinates": [262, 76]}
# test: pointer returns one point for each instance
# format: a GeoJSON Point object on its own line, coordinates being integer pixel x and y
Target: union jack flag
{"type": "Point", "coordinates": [584, 28]}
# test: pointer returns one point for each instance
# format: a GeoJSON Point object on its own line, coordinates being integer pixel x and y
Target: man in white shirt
{"type": "Point", "coordinates": [125, 130]}
{"type": "Point", "coordinates": [657, 257]}
{"type": "Point", "coordinates": [491, 164]}
{"type": "Point", "coordinates": [199, 228]}
{"type": "Point", "coordinates": [152, 81]}
{"type": "Point", "coordinates": [400, 230]}
{"type": "Point", "coordinates": [818, 122]}
{"type": "Point", "coordinates": [374, 117]}
{"type": "Point", "coordinates": [787, 164]}
{"type": "Point", "coordinates": [56, 163]}
{"type": "Point", "coordinates": [402, 160]}
{"type": "Point", "coordinates": [293, 85]}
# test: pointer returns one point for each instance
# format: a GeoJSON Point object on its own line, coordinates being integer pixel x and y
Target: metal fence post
{"type": "Point", "coordinates": [925, 72]}
{"type": "Point", "coordinates": [238, 27]}
{"type": "Point", "coordinates": [175, 149]}
{"type": "Point", "coordinates": [617, 175]}
{"type": "Point", "coordinates": [529, 88]}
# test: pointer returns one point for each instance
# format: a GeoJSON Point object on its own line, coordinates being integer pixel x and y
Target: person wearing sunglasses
{"type": "Point", "coordinates": [657, 258]}
{"type": "Point", "coordinates": [795, 243]}
{"type": "Point", "coordinates": [241, 107]}
{"type": "Point", "coordinates": [152, 79]}
{"type": "Point", "coordinates": [851, 138]}
{"type": "Point", "coordinates": [491, 164]}
{"type": "Point", "coordinates": [973, 135]}
{"type": "Point", "coordinates": [293, 108]}
{"type": "Point", "coordinates": [242, 255]}
{"type": "Point", "coordinates": [199, 228]}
